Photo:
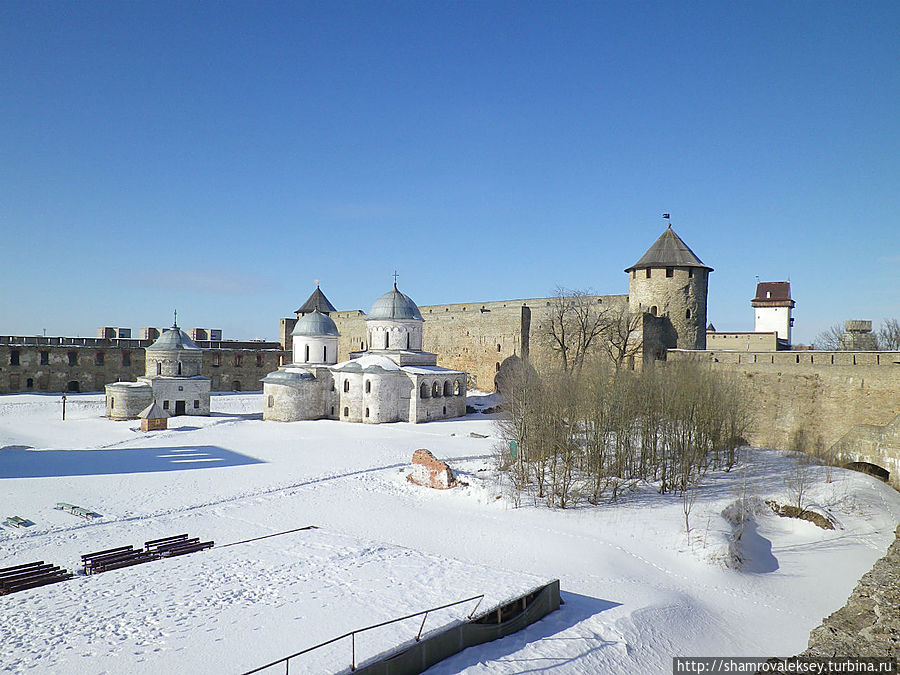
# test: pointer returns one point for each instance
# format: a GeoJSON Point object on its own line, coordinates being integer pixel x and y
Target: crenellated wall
{"type": "Point", "coordinates": [823, 395]}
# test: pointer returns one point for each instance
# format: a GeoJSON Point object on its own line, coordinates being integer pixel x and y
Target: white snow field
{"type": "Point", "coordinates": [637, 590]}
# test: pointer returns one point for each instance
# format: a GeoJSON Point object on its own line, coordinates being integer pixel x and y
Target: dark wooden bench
{"type": "Point", "coordinates": [90, 560]}
{"type": "Point", "coordinates": [162, 548]}
{"type": "Point", "coordinates": [190, 547]}
{"type": "Point", "coordinates": [40, 580]}
{"type": "Point", "coordinates": [115, 562]}
{"type": "Point", "coordinates": [156, 543]}
{"type": "Point", "coordinates": [30, 572]}
{"type": "Point", "coordinates": [31, 575]}
{"type": "Point", "coordinates": [16, 568]}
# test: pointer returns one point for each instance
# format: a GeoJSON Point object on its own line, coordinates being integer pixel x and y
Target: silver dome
{"type": "Point", "coordinates": [172, 339]}
{"type": "Point", "coordinates": [315, 324]}
{"type": "Point", "coordinates": [394, 305]}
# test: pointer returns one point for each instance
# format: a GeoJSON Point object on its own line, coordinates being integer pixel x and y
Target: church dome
{"type": "Point", "coordinates": [172, 339]}
{"type": "Point", "coordinates": [394, 305]}
{"type": "Point", "coordinates": [315, 324]}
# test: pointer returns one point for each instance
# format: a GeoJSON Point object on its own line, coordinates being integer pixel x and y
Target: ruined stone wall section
{"type": "Point", "coordinates": [822, 394]}
{"type": "Point", "coordinates": [224, 366]}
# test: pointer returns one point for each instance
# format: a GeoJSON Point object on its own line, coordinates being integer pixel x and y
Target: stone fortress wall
{"type": "Point", "coordinates": [475, 337]}
{"type": "Point", "coordinates": [840, 401]}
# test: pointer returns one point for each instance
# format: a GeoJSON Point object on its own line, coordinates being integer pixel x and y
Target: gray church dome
{"type": "Point", "coordinates": [315, 324]}
{"type": "Point", "coordinates": [172, 339]}
{"type": "Point", "coordinates": [394, 305]}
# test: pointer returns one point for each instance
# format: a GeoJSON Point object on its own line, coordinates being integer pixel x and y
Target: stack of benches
{"type": "Point", "coordinates": [30, 575]}
{"type": "Point", "coordinates": [76, 510]}
{"type": "Point", "coordinates": [17, 521]}
{"type": "Point", "coordinates": [124, 556]}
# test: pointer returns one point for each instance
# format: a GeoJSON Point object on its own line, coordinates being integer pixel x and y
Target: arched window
{"type": "Point", "coordinates": [436, 389]}
{"type": "Point", "coordinates": [457, 388]}
{"type": "Point", "coordinates": [367, 412]}
{"type": "Point", "coordinates": [423, 390]}
{"type": "Point", "coordinates": [448, 388]}
{"type": "Point", "coordinates": [497, 366]}
{"type": "Point", "coordinates": [346, 412]}
{"type": "Point", "coordinates": [236, 385]}
{"type": "Point", "coordinates": [653, 310]}
{"type": "Point", "coordinates": [324, 353]}
{"type": "Point", "coordinates": [29, 383]}
{"type": "Point", "coordinates": [368, 386]}
{"type": "Point", "coordinates": [387, 338]}
{"type": "Point", "coordinates": [306, 354]}
{"type": "Point", "coordinates": [159, 368]}
{"type": "Point", "coordinates": [346, 385]}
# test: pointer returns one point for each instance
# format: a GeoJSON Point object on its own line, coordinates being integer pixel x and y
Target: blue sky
{"type": "Point", "coordinates": [219, 157]}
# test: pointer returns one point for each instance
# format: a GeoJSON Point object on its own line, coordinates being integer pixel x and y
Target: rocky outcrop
{"type": "Point", "coordinates": [869, 624]}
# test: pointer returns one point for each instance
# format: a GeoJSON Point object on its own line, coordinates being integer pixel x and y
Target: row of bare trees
{"type": "Point", "coordinates": [887, 337]}
{"type": "Point", "coordinates": [578, 328]}
{"type": "Point", "coordinates": [582, 435]}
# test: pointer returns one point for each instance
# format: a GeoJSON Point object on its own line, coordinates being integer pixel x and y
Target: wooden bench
{"type": "Point", "coordinates": [16, 568]}
{"type": "Point", "coordinates": [154, 544]}
{"type": "Point", "coordinates": [30, 575]}
{"type": "Point", "coordinates": [113, 563]}
{"type": "Point", "coordinates": [187, 547]}
{"type": "Point", "coordinates": [88, 559]}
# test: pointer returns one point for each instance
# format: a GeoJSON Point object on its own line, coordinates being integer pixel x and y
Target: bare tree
{"type": "Point", "coordinates": [622, 341]}
{"type": "Point", "coordinates": [889, 335]}
{"type": "Point", "coordinates": [829, 340]}
{"type": "Point", "coordinates": [574, 326]}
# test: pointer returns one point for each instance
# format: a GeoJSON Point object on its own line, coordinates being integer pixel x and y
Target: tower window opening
{"type": "Point", "coordinates": [158, 368]}
{"type": "Point", "coordinates": [306, 354]}
{"type": "Point", "coordinates": [346, 385]}
{"type": "Point", "coordinates": [367, 412]}
{"type": "Point", "coordinates": [387, 337]}
{"type": "Point", "coordinates": [325, 353]}
{"type": "Point", "coordinates": [346, 412]}
{"type": "Point", "coordinates": [654, 310]}
{"type": "Point", "coordinates": [179, 367]}
{"type": "Point", "coordinates": [368, 386]}
{"type": "Point", "coordinates": [690, 272]}
{"type": "Point", "coordinates": [648, 272]}
{"type": "Point", "coordinates": [687, 314]}
{"type": "Point", "coordinates": [670, 272]}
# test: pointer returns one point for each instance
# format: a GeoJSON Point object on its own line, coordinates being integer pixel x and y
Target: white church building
{"type": "Point", "coordinates": [171, 378]}
{"type": "Point", "coordinates": [391, 381]}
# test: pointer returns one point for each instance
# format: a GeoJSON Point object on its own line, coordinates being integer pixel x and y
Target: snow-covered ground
{"type": "Point", "coordinates": [637, 590]}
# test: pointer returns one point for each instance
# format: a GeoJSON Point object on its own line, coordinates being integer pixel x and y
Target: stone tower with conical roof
{"type": "Point", "coordinates": [669, 282]}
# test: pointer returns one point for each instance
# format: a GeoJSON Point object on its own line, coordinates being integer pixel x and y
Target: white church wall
{"type": "Point", "coordinates": [193, 391]}
{"type": "Point", "coordinates": [315, 350]}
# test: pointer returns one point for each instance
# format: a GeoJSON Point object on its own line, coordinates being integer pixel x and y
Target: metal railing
{"type": "Point", "coordinates": [352, 634]}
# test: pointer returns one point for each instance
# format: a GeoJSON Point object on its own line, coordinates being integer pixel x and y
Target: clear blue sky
{"type": "Point", "coordinates": [219, 157]}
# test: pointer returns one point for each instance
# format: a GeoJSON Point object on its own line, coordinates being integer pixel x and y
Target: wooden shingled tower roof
{"type": "Point", "coordinates": [317, 302]}
{"type": "Point", "coordinates": [669, 251]}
